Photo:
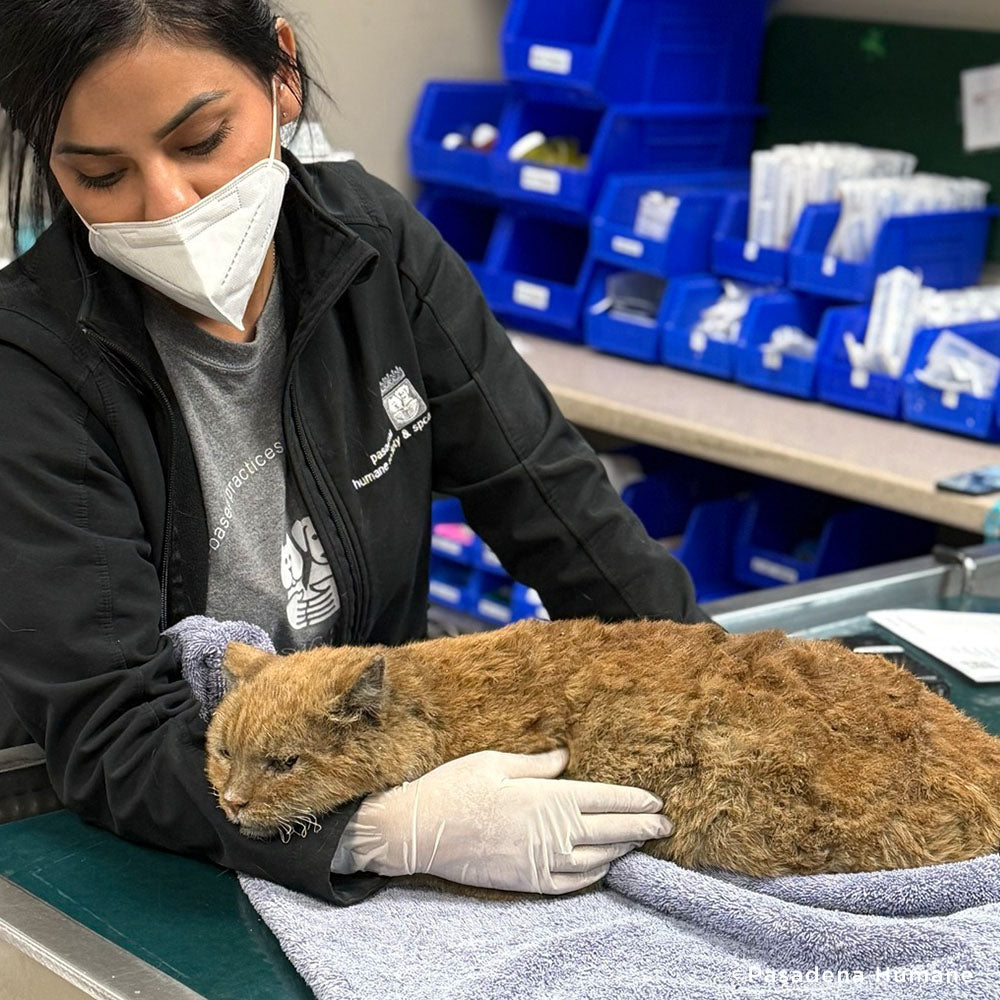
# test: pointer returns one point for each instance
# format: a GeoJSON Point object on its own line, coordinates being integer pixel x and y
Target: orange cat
{"type": "Point", "coordinates": [772, 755]}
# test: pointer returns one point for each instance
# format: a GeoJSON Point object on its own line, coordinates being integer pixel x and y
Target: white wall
{"type": "Point", "coordinates": [978, 15]}
{"type": "Point", "coordinates": [374, 57]}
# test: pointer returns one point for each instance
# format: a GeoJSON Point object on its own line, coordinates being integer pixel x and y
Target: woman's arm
{"type": "Point", "coordinates": [528, 482]}
{"type": "Point", "coordinates": [82, 663]}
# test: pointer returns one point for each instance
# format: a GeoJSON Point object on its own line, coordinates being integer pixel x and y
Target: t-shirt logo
{"type": "Point", "coordinates": [307, 577]}
{"type": "Point", "coordinates": [401, 401]}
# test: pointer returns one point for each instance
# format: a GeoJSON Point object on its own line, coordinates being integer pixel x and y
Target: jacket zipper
{"type": "Point", "coordinates": [355, 566]}
{"type": "Point", "coordinates": [169, 520]}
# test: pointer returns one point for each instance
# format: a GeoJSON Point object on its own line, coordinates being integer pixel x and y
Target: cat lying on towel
{"type": "Point", "coordinates": [772, 755]}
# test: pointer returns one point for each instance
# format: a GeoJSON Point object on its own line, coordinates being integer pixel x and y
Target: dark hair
{"type": "Point", "coordinates": [46, 44]}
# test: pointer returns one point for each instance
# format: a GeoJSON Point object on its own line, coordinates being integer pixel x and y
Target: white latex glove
{"type": "Point", "coordinates": [501, 821]}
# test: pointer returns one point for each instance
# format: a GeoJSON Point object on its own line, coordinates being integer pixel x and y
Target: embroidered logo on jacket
{"type": "Point", "coordinates": [401, 401]}
{"type": "Point", "coordinates": [307, 577]}
{"type": "Point", "coordinates": [409, 415]}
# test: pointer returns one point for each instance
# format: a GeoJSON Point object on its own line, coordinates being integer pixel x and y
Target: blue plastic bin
{"type": "Point", "coordinates": [446, 546]}
{"type": "Point", "coordinates": [707, 548]}
{"type": "Point", "coordinates": [455, 106]}
{"type": "Point", "coordinates": [525, 603]}
{"type": "Point", "coordinates": [673, 485]}
{"type": "Point", "coordinates": [539, 270]}
{"type": "Point", "coordinates": [687, 298]}
{"type": "Point", "coordinates": [645, 51]}
{"type": "Point", "coordinates": [735, 257]}
{"type": "Point", "coordinates": [453, 584]}
{"type": "Point", "coordinates": [465, 222]}
{"type": "Point", "coordinates": [961, 413]}
{"type": "Point", "coordinates": [787, 535]}
{"type": "Point", "coordinates": [687, 247]}
{"type": "Point", "coordinates": [494, 599]}
{"type": "Point", "coordinates": [463, 546]}
{"type": "Point", "coordinates": [629, 336]}
{"type": "Point", "coordinates": [640, 140]}
{"type": "Point", "coordinates": [837, 382]}
{"type": "Point", "coordinates": [792, 376]}
{"type": "Point", "coordinates": [946, 248]}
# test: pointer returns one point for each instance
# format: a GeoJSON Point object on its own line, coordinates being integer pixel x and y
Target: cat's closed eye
{"type": "Point", "coordinates": [274, 764]}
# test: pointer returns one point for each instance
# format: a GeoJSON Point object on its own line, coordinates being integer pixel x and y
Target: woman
{"type": "Point", "coordinates": [230, 385]}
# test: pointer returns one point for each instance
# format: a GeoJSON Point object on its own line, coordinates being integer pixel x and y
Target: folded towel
{"type": "Point", "coordinates": [200, 644]}
{"type": "Point", "coordinates": [655, 931]}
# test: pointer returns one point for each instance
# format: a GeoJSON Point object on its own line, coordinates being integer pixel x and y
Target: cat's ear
{"type": "Point", "coordinates": [242, 662]}
{"type": "Point", "coordinates": [364, 700]}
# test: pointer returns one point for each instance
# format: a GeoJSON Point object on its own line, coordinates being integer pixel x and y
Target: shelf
{"type": "Point", "coordinates": [883, 462]}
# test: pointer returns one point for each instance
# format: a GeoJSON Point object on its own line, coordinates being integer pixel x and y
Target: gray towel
{"type": "Point", "coordinates": [200, 644]}
{"type": "Point", "coordinates": [656, 931]}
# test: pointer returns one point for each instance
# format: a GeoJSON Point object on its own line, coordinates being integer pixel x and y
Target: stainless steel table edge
{"type": "Point", "coordinates": [35, 936]}
{"type": "Point", "coordinates": [849, 595]}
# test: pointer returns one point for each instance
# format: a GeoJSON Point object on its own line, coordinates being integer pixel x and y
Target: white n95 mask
{"type": "Point", "coordinates": [209, 256]}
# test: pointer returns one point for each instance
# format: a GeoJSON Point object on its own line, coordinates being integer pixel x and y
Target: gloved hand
{"type": "Point", "coordinates": [501, 821]}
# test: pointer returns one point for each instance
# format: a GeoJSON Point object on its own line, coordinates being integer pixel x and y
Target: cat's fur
{"type": "Point", "coordinates": [772, 755]}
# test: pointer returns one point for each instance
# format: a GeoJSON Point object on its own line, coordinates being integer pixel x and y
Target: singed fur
{"type": "Point", "coordinates": [772, 755]}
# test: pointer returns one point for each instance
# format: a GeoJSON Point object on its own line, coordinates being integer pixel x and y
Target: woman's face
{"type": "Point", "coordinates": [144, 134]}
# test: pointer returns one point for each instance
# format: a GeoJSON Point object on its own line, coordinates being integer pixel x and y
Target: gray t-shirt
{"type": "Point", "coordinates": [266, 562]}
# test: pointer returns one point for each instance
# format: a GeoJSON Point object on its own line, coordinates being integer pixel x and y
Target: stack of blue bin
{"type": "Point", "coordinates": [804, 287]}
{"type": "Point", "coordinates": [733, 531]}
{"type": "Point", "coordinates": [659, 88]}
{"type": "Point", "coordinates": [825, 297]}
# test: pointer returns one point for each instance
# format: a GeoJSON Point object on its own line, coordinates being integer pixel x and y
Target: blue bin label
{"type": "Point", "coordinates": [549, 59]}
{"type": "Point", "coordinates": [494, 609]}
{"type": "Point", "coordinates": [444, 592]}
{"type": "Point", "coordinates": [541, 180]}
{"type": "Point", "coordinates": [627, 246]}
{"type": "Point", "coordinates": [532, 296]}
{"type": "Point", "coordinates": [773, 570]}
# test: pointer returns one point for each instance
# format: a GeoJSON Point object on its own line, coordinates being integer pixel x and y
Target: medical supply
{"type": "Point", "coordinates": [483, 138]}
{"type": "Point", "coordinates": [520, 149]}
{"type": "Point", "coordinates": [978, 304]}
{"type": "Point", "coordinates": [631, 296]}
{"type": "Point", "coordinates": [901, 307]}
{"type": "Point", "coordinates": [868, 202]}
{"type": "Point", "coordinates": [309, 144]}
{"type": "Point", "coordinates": [655, 215]}
{"type": "Point", "coordinates": [956, 365]}
{"type": "Point", "coordinates": [891, 327]}
{"type": "Point", "coordinates": [722, 320]}
{"type": "Point", "coordinates": [558, 151]}
{"type": "Point", "coordinates": [783, 180]}
{"type": "Point", "coordinates": [787, 341]}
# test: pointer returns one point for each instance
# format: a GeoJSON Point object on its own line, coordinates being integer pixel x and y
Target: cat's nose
{"type": "Point", "coordinates": [232, 802]}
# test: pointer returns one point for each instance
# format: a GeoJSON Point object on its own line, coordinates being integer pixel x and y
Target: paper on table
{"type": "Point", "coordinates": [967, 641]}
